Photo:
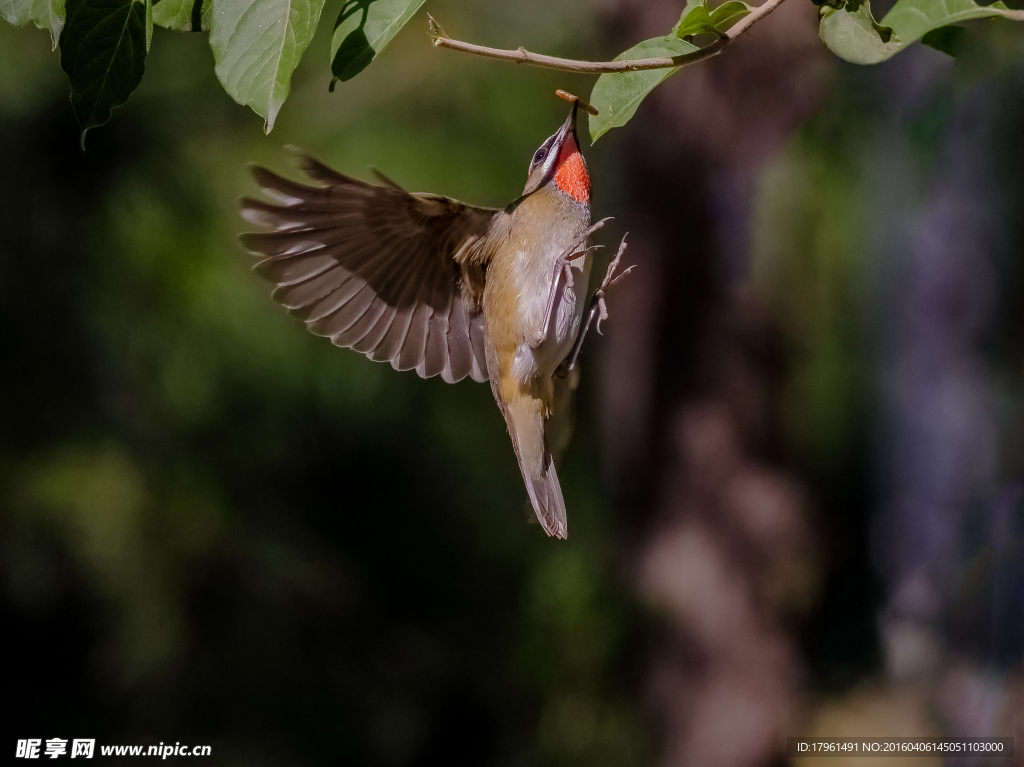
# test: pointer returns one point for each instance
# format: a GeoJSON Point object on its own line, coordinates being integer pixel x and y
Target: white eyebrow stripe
{"type": "Point", "coordinates": [552, 157]}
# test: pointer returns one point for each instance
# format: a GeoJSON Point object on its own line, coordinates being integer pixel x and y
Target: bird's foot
{"type": "Point", "coordinates": [610, 280]}
{"type": "Point", "coordinates": [577, 249]}
{"type": "Point", "coordinates": [597, 226]}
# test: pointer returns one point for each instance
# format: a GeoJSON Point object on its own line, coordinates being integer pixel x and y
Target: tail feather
{"type": "Point", "coordinates": [549, 506]}
{"type": "Point", "coordinates": [526, 427]}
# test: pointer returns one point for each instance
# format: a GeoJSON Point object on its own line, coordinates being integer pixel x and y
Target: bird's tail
{"type": "Point", "coordinates": [526, 427]}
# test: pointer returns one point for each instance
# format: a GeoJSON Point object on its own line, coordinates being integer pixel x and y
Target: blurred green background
{"type": "Point", "coordinates": [217, 528]}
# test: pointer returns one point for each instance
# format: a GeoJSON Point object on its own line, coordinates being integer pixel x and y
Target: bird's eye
{"type": "Point", "coordinates": [541, 154]}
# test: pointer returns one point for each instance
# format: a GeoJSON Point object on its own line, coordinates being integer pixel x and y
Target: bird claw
{"type": "Point", "coordinates": [609, 281]}
{"type": "Point", "coordinates": [567, 269]}
{"type": "Point", "coordinates": [598, 225]}
{"type": "Point", "coordinates": [574, 251]}
{"type": "Point", "coordinates": [610, 277]}
{"type": "Point", "coordinates": [602, 314]}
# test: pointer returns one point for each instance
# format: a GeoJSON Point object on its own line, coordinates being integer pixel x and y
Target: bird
{"type": "Point", "coordinates": [434, 285]}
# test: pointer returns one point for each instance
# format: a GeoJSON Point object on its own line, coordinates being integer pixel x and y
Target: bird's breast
{"type": "Point", "coordinates": [519, 281]}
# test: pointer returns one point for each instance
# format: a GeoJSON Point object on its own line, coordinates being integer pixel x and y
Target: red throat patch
{"type": "Point", "coordinates": [571, 172]}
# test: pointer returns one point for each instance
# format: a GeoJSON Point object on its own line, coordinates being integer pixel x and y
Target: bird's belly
{"type": "Point", "coordinates": [569, 314]}
{"type": "Point", "coordinates": [556, 345]}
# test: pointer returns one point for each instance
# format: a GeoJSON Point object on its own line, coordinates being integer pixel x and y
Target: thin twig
{"type": "Point", "coordinates": [523, 56]}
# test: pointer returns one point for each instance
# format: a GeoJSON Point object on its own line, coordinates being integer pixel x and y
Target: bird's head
{"type": "Point", "coordinates": [558, 164]}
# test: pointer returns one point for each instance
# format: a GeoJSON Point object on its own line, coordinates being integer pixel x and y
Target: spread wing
{"type": "Point", "coordinates": [376, 268]}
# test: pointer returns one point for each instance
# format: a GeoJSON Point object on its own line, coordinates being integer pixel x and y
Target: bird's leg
{"type": "Point", "coordinates": [562, 279]}
{"type": "Point", "coordinates": [610, 279]}
{"type": "Point", "coordinates": [598, 309]}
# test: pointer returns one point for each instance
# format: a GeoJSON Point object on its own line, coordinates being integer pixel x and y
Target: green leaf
{"type": "Point", "coordinates": [949, 40]}
{"type": "Point", "coordinates": [45, 14]}
{"type": "Point", "coordinates": [852, 33]}
{"type": "Point", "coordinates": [103, 51]}
{"type": "Point", "coordinates": [727, 14]}
{"type": "Point", "coordinates": [362, 30]}
{"type": "Point", "coordinates": [913, 19]}
{"type": "Point", "coordinates": [694, 21]}
{"type": "Point", "coordinates": [697, 19]}
{"type": "Point", "coordinates": [183, 15]}
{"type": "Point", "coordinates": [617, 96]}
{"type": "Point", "coordinates": [256, 46]}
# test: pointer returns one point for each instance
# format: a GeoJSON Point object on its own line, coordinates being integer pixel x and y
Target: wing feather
{"type": "Point", "coordinates": [435, 354]}
{"type": "Point", "coordinates": [460, 352]}
{"type": "Point", "coordinates": [478, 371]}
{"type": "Point", "coordinates": [400, 329]}
{"type": "Point", "coordinates": [415, 340]}
{"type": "Point", "coordinates": [292, 271]}
{"type": "Point", "coordinates": [355, 335]}
{"type": "Point", "coordinates": [385, 345]}
{"type": "Point", "coordinates": [328, 301]}
{"type": "Point", "coordinates": [378, 315]}
{"type": "Point", "coordinates": [373, 267]}
{"type": "Point", "coordinates": [297, 295]}
{"type": "Point", "coordinates": [391, 343]}
{"type": "Point", "coordinates": [342, 326]}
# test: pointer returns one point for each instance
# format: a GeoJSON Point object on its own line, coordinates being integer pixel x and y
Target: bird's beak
{"type": "Point", "coordinates": [568, 128]}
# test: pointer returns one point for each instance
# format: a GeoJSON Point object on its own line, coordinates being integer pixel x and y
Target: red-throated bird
{"type": "Point", "coordinates": [443, 288]}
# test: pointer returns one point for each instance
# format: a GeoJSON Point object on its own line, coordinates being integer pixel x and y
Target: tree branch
{"type": "Point", "coordinates": [523, 56]}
